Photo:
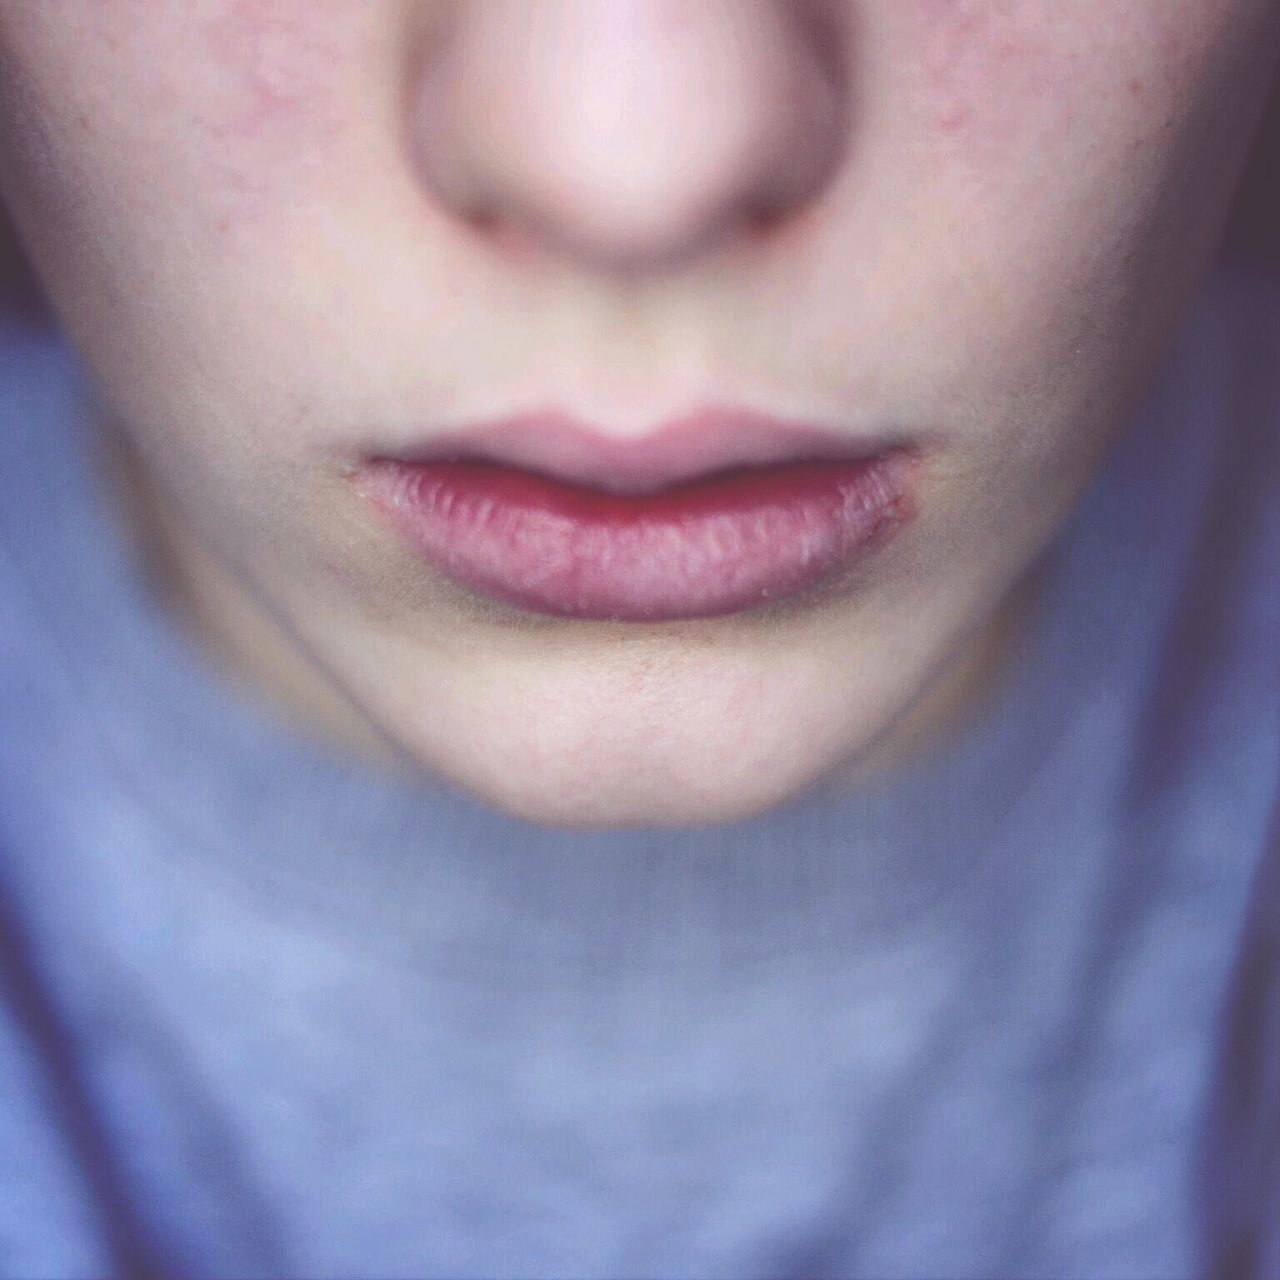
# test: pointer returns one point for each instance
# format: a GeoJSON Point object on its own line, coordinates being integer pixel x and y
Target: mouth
{"type": "Point", "coordinates": [720, 512]}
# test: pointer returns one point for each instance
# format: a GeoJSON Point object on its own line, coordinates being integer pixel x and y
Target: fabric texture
{"type": "Point", "coordinates": [268, 1012]}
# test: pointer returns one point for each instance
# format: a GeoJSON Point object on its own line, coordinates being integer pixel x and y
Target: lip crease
{"type": "Point", "coordinates": [716, 512]}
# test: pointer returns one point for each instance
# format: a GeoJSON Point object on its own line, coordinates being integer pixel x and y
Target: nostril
{"type": "Point", "coordinates": [507, 236]}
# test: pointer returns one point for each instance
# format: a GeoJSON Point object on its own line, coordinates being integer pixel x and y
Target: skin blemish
{"type": "Point", "coordinates": [258, 90]}
{"type": "Point", "coordinates": [269, 121]}
{"type": "Point", "coordinates": [986, 72]}
{"type": "Point", "coordinates": [270, 68]}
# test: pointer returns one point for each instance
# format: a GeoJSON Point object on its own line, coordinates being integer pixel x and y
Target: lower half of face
{"type": "Point", "coordinates": [308, 247]}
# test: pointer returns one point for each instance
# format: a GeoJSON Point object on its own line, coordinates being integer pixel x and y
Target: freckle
{"type": "Point", "coordinates": [1135, 88]}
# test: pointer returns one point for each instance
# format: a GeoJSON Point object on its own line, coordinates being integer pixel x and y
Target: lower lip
{"type": "Point", "coordinates": [725, 544]}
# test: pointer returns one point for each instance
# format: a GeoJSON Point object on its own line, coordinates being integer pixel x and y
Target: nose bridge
{"type": "Point", "coordinates": [626, 131]}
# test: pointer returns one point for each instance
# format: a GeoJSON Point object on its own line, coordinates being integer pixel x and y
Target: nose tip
{"type": "Point", "coordinates": [630, 133]}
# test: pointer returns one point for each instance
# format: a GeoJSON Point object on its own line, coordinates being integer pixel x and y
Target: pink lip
{"type": "Point", "coordinates": [716, 513]}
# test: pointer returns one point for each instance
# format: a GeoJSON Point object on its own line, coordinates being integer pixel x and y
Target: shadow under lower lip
{"type": "Point", "coordinates": [725, 544]}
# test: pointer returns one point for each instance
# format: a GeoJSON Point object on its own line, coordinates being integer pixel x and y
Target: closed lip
{"type": "Point", "coordinates": [700, 443]}
{"type": "Point", "coordinates": [716, 512]}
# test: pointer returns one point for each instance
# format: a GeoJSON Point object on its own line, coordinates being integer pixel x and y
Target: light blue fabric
{"type": "Point", "coordinates": [269, 1013]}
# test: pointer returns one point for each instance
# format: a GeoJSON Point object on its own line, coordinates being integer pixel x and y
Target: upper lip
{"type": "Point", "coordinates": [702, 442]}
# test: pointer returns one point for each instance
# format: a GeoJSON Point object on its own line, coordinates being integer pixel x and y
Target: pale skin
{"type": "Point", "coordinates": [281, 232]}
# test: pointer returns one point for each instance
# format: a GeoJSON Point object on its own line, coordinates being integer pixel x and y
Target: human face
{"type": "Point", "coordinates": [291, 235]}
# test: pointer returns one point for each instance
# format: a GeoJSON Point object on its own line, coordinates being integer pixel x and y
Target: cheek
{"type": "Point", "coordinates": [272, 105]}
{"type": "Point", "coordinates": [212, 112]}
{"type": "Point", "coordinates": [1048, 150]}
{"type": "Point", "coordinates": [976, 59]}
{"type": "Point", "coordinates": [993, 75]}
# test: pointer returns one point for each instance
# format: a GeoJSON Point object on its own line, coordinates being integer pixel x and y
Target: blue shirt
{"type": "Point", "coordinates": [265, 1011]}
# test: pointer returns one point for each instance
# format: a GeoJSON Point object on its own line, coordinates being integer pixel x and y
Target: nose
{"type": "Point", "coordinates": [632, 134]}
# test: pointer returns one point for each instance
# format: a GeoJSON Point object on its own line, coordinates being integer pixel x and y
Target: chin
{"type": "Point", "coordinates": [602, 787]}
{"type": "Point", "coordinates": [600, 732]}
{"type": "Point", "coordinates": [618, 804]}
